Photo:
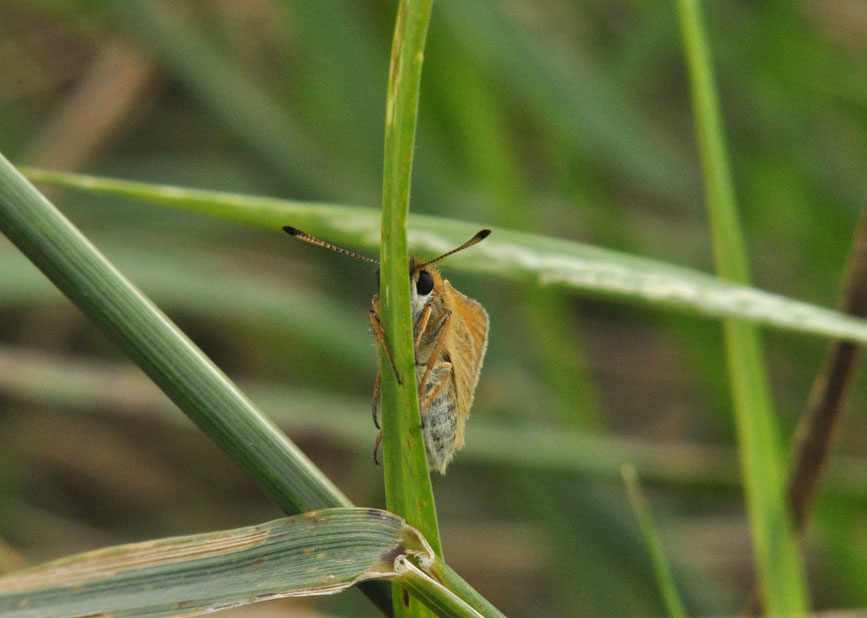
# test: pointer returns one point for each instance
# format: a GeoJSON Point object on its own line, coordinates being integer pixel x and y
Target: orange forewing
{"type": "Point", "coordinates": [465, 344]}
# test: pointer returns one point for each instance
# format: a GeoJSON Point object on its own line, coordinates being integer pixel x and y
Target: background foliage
{"type": "Point", "coordinates": [568, 119]}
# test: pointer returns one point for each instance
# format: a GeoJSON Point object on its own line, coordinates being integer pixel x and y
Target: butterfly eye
{"type": "Point", "coordinates": [424, 284]}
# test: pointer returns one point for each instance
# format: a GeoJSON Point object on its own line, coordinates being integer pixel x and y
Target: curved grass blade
{"type": "Point", "coordinates": [662, 570]}
{"type": "Point", "coordinates": [531, 258]}
{"type": "Point", "coordinates": [320, 552]}
{"type": "Point", "coordinates": [317, 553]}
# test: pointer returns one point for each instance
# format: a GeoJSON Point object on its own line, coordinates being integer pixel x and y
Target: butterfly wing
{"type": "Point", "coordinates": [465, 346]}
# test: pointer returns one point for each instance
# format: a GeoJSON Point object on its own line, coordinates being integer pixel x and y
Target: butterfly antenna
{"type": "Point", "coordinates": [302, 235]}
{"type": "Point", "coordinates": [479, 237]}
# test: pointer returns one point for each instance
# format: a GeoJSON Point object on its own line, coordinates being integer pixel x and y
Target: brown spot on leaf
{"type": "Point", "coordinates": [391, 555]}
{"type": "Point", "coordinates": [379, 514]}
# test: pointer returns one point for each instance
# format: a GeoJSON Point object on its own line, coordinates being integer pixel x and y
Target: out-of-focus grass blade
{"type": "Point", "coordinates": [183, 280]}
{"type": "Point", "coordinates": [84, 386]}
{"type": "Point", "coordinates": [661, 568]}
{"type": "Point", "coordinates": [780, 572]}
{"type": "Point", "coordinates": [531, 258]}
{"type": "Point", "coordinates": [244, 106]}
{"type": "Point", "coordinates": [320, 552]}
{"type": "Point", "coordinates": [570, 95]}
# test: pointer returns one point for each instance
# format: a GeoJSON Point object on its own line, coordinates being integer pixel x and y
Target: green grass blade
{"type": "Point", "coordinates": [408, 491]}
{"type": "Point", "coordinates": [192, 381]}
{"type": "Point", "coordinates": [661, 568]}
{"type": "Point", "coordinates": [778, 563]}
{"type": "Point", "coordinates": [530, 258]}
{"type": "Point", "coordinates": [171, 360]}
{"type": "Point", "coordinates": [195, 384]}
{"type": "Point", "coordinates": [320, 552]}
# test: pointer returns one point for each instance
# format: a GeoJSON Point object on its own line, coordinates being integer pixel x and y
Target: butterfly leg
{"type": "Point", "coordinates": [376, 386]}
{"type": "Point", "coordinates": [383, 344]}
{"type": "Point", "coordinates": [443, 329]}
{"type": "Point", "coordinates": [443, 370]}
{"type": "Point", "coordinates": [422, 324]}
{"type": "Point", "coordinates": [441, 374]}
{"type": "Point", "coordinates": [376, 447]}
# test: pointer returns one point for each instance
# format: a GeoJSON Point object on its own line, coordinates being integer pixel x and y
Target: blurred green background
{"type": "Point", "coordinates": [568, 119]}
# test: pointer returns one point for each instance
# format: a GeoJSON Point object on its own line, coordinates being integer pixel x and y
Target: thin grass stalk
{"type": "Point", "coordinates": [661, 568]}
{"type": "Point", "coordinates": [779, 568]}
{"type": "Point", "coordinates": [408, 491]}
{"type": "Point", "coordinates": [815, 435]}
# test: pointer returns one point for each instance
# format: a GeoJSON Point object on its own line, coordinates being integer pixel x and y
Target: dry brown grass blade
{"type": "Point", "coordinates": [816, 432]}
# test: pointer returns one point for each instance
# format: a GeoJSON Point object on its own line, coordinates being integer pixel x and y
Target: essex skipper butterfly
{"type": "Point", "coordinates": [451, 335]}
